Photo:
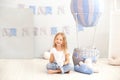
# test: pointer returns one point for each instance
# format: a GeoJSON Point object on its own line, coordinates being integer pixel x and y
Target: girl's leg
{"type": "Point", "coordinates": [66, 68]}
{"type": "Point", "coordinates": [53, 68]}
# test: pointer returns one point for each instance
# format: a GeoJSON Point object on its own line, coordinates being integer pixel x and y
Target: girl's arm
{"type": "Point", "coordinates": [51, 60]}
{"type": "Point", "coordinates": [67, 60]}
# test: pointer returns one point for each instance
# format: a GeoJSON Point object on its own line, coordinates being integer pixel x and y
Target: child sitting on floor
{"type": "Point", "coordinates": [59, 58]}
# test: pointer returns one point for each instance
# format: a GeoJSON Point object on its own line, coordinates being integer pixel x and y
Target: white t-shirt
{"type": "Point", "coordinates": [59, 56]}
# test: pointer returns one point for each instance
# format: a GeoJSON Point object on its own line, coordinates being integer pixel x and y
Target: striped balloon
{"type": "Point", "coordinates": [86, 12]}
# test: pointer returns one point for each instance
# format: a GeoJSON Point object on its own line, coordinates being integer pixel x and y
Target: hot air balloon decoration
{"type": "Point", "coordinates": [86, 12]}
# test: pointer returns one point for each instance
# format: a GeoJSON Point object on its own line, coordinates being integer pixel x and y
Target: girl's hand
{"type": "Point", "coordinates": [65, 63]}
{"type": "Point", "coordinates": [66, 59]}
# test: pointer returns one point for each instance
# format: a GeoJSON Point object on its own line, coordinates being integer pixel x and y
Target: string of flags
{"type": "Point", "coordinates": [35, 31]}
{"type": "Point", "coordinates": [44, 10]}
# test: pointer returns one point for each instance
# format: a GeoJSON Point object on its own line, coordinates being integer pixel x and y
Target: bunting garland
{"type": "Point", "coordinates": [10, 32]}
{"type": "Point", "coordinates": [44, 10]}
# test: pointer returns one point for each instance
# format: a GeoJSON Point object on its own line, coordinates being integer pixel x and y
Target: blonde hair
{"type": "Point", "coordinates": [64, 45]}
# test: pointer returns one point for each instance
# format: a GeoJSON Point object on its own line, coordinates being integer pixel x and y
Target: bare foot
{"type": "Point", "coordinates": [53, 71]}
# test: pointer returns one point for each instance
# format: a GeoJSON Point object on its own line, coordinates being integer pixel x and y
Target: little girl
{"type": "Point", "coordinates": [59, 58]}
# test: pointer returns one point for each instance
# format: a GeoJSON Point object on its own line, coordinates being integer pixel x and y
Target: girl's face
{"type": "Point", "coordinates": [59, 40]}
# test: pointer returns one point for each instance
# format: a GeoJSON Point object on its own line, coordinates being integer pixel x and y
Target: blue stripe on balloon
{"type": "Point", "coordinates": [76, 12]}
{"type": "Point", "coordinates": [79, 19]}
{"type": "Point", "coordinates": [96, 13]}
{"type": "Point", "coordinates": [74, 5]}
{"type": "Point", "coordinates": [85, 6]}
{"type": "Point", "coordinates": [74, 8]}
{"type": "Point", "coordinates": [86, 11]}
{"type": "Point", "coordinates": [79, 15]}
